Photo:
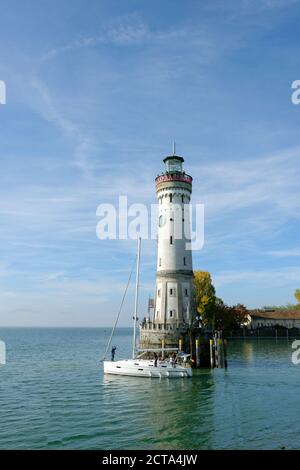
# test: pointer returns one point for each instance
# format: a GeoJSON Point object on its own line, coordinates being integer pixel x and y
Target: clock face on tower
{"type": "Point", "coordinates": [161, 220]}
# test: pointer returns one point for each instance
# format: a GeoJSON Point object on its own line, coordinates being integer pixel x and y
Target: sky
{"type": "Point", "coordinates": [96, 92]}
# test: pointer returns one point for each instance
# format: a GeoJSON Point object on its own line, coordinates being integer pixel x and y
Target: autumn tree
{"type": "Point", "coordinates": [213, 311]}
{"type": "Point", "coordinates": [297, 295]}
{"type": "Point", "coordinates": [205, 297]}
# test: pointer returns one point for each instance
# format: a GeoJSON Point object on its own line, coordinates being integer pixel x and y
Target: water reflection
{"type": "Point", "coordinates": [53, 395]}
{"type": "Point", "coordinates": [174, 411]}
{"type": "Point", "coordinates": [248, 352]}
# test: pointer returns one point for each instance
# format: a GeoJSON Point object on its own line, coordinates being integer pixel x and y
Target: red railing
{"type": "Point", "coordinates": [173, 177]}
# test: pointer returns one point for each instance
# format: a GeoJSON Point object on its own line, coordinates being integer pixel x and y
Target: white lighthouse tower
{"type": "Point", "coordinates": [173, 311]}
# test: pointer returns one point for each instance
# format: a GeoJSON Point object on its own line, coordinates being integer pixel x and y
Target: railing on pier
{"type": "Point", "coordinates": [150, 326]}
{"type": "Point", "coordinates": [263, 333]}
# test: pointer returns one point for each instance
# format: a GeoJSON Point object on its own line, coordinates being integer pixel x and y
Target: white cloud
{"type": "Point", "coordinates": [123, 31]}
{"type": "Point", "coordinates": [54, 276]}
{"type": "Point", "coordinates": [50, 110]}
{"type": "Point", "coordinates": [285, 253]}
{"type": "Point", "coordinates": [5, 270]}
{"type": "Point", "coordinates": [268, 184]}
{"type": "Point", "coordinates": [264, 278]}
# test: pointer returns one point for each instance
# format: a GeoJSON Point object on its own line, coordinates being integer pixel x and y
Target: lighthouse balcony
{"type": "Point", "coordinates": [150, 326]}
{"type": "Point", "coordinates": [152, 334]}
{"type": "Point", "coordinates": [176, 176]}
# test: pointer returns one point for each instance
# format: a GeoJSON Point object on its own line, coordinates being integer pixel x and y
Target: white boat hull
{"type": "Point", "coordinates": [146, 368]}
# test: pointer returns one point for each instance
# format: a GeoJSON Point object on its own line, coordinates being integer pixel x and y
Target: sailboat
{"type": "Point", "coordinates": [137, 366]}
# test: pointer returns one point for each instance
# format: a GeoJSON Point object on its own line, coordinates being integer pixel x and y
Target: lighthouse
{"type": "Point", "coordinates": [173, 306]}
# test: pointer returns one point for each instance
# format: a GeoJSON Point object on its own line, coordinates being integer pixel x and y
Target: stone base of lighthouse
{"type": "Point", "coordinates": [153, 335]}
{"type": "Point", "coordinates": [174, 310]}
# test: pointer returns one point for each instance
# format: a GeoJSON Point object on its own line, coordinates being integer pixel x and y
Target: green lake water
{"type": "Point", "coordinates": [53, 395]}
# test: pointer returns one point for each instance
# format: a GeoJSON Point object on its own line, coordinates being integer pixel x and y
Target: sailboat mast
{"type": "Point", "coordinates": [136, 295]}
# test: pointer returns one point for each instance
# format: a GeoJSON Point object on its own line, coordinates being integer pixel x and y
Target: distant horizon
{"type": "Point", "coordinates": [62, 327]}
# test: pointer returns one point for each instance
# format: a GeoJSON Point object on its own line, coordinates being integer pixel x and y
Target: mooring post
{"type": "Point", "coordinates": [211, 353]}
{"type": "Point", "coordinates": [180, 344]}
{"type": "Point", "coordinates": [225, 352]}
{"type": "Point", "coordinates": [197, 353]}
{"type": "Point", "coordinates": [216, 348]}
{"type": "Point", "coordinates": [163, 349]}
{"type": "Point", "coordinates": [221, 349]}
{"type": "Point", "coordinates": [221, 355]}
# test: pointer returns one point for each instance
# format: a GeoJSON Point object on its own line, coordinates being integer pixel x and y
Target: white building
{"type": "Point", "coordinates": [174, 295]}
{"type": "Point", "coordinates": [274, 318]}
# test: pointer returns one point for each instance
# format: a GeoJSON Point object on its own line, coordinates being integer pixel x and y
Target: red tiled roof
{"type": "Point", "coordinates": [276, 314]}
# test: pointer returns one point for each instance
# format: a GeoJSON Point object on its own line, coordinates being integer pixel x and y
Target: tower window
{"type": "Point", "coordinates": [184, 261]}
{"type": "Point", "coordinates": [171, 220]}
{"type": "Point", "coordinates": [182, 198]}
{"type": "Point", "coordinates": [157, 313]}
{"type": "Point", "coordinates": [186, 292]}
{"type": "Point", "coordinates": [171, 313]}
{"type": "Point", "coordinates": [171, 197]}
{"type": "Point", "coordinates": [171, 240]}
{"type": "Point", "coordinates": [158, 293]}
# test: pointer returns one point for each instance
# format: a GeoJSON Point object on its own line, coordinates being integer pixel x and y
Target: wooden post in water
{"type": "Point", "coordinates": [225, 352]}
{"type": "Point", "coordinates": [211, 349]}
{"type": "Point", "coordinates": [221, 349]}
{"type": "Point", "coordinates": [197, 353]}
{"type": "Point", "coordinates": [216, 349]}
{"type": "Point", "coordinates": [180, 344]}
{"type": "Point", "coordinates": [163, 348]}
{"type": "Point", "coordinates": [191, 345]}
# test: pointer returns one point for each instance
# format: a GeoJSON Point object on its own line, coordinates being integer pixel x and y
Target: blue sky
{"type": "Point", "coordinates": [96, 93]}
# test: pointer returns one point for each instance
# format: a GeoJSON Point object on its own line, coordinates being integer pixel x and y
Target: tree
{"type": "Point", "coordinates": [297, 295]}
{"type": "Point", "coordinates": [205, 297]}
{"type": "Point", "coordinates": [239, 317]}
{"type": "Point", "coordinates": [212, 309]}
{"type": "Point", "coordinates": [229, 318]}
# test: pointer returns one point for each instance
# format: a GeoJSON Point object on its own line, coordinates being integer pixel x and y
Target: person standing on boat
{"type": "Point", "coordinates": [155, 360]}
{"type": "Point", "coordinates": [113, 352]}
{"type": "Point", "coordinates": [171, 360]}
{"type": "Point", "coordinates": [174, 359]}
